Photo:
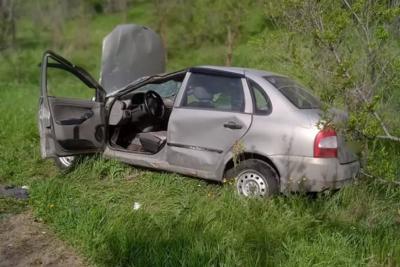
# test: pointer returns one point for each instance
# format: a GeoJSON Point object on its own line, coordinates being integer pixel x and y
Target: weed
{"type": "Point", "coordinates": [184, 221]}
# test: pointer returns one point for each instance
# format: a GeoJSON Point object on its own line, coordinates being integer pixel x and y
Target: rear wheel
{"type": "Point", "coordinates": [254, 178]}
{"type": "Point", "coordinates": [65, 163]}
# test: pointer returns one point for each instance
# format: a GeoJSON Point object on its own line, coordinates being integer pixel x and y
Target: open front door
{"type": "Point", "coordinates": [69, 126]}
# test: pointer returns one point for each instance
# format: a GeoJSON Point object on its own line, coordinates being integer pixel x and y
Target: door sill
{"type": "Point", "coordinates": [129, 151]}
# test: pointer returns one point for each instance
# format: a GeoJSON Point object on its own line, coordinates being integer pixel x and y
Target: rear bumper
{"type": "Point", "coordinates": [314, 174]}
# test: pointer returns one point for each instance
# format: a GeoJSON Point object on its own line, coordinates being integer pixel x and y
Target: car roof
{"type": "Point", "coordinates": [237, 70]}
{"type": "Point", "coordinates": [230, 71]}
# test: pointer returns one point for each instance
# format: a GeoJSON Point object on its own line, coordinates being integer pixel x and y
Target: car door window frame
{"type": "Point", "coordinates": [63, 64]}
{"type": "Point", "coordinates": [246, 92]}
{"type": "Point", "coordinates": [254, 100]}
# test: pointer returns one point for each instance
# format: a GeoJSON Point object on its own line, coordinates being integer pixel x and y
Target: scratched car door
{"type": "Point", "coordinates": [212, 113]}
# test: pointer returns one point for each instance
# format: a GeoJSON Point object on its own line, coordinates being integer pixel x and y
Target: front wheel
{"type": "Point", "coordinates": [65, 163]}
{"type": "Point", "coordinates": [254, 178]}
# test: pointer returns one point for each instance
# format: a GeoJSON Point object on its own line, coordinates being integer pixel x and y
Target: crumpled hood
{"type": "Point", "coordinates": [129, 52]}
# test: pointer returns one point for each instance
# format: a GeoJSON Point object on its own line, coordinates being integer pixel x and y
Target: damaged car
{"type": "Point", "coordinates": [211, 122]}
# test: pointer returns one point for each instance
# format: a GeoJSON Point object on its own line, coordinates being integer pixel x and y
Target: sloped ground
{"type": "Point", "coordinates": [26, 242]}
{"type": "Point", "coordinates": [182, 222]}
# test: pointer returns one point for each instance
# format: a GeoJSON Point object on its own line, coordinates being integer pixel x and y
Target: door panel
{"type": "Point", "coordinates": [78, 125]}
{"type": "Point", "coordinates": [198, 139]}
{"type": "Point", "coordinates": [211, 113]}
{"type": "Point", "coordinates": [69, 126]}
{"type": "Point", "coordinates": [47, 144]}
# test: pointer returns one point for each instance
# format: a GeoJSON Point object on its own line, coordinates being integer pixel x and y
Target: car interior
{"type": "Point", "coordinates": [214, 92]}
{"type": "Point", "coordinates": [138, 120]}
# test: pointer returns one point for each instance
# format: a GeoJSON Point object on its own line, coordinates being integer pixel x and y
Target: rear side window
{"type": "Point", "coordinates": [294, 92]}
{"type": "Point", "coordinates": [262, 103]}
{"type": "Point", "coordinates": [205, 91]}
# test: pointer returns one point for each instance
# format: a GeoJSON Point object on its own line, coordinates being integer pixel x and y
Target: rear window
{"type": "Point", "coordinates": [294, 92]}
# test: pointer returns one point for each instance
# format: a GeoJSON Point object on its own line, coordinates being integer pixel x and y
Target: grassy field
{"type": "Point", "coordinates": [182, 221]}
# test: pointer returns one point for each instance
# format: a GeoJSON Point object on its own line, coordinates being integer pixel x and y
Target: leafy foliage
{"type": "Point", "coordinates": [185, 221]}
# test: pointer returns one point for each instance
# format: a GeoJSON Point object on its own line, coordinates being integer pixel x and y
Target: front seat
{"type": "Point", "coordinates": [203, 96]}
{"type": "Point", "coordinates": [153, 141]}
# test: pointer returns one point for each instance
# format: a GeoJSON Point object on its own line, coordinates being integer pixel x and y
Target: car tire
{"type": "Point", "coordinates": [254, 178]}
{"type": "Point", "coordinates": [65, 163]}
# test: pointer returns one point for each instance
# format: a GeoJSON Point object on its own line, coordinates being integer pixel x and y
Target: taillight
{"type": "Point", "coordinates": [325, 144]}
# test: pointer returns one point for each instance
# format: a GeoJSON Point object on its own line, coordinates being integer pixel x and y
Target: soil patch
{"type": "Point", "coordinates": [26, 242]}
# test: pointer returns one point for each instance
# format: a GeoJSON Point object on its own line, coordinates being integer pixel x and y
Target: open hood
{"type": "Point", "coordinates": [130, 52]}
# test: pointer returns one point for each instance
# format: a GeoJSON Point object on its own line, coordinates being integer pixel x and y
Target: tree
{"type": "Point", "coordinates": [231, 16]}
{"type": "Point", "coordinates": [352, 55]}
{"type": "Point", "coordinates": [7, 24]}
{"type": "Point", "coordinates": [165, 11]}
{"type": "Point", "coordinates": [220, 21]}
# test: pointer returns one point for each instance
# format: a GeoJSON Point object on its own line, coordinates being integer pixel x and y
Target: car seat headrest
{"type": "Point", "coordinates": [202, 94]}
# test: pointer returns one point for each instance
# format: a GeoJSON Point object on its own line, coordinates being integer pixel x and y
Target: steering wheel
{"type": "Point", "coordinates": [154, 104]}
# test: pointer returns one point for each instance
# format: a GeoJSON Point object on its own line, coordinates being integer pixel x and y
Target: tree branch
{"type": "Point", "coordinates": [389, 137]}
{"type": "Point", "coordinates": [360, 22]}
{"type": "Point", "coordinates": [383, 126]}
{"type": "Point", "coordinates": [379, 179]}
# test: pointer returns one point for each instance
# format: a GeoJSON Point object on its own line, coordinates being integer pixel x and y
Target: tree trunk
{"type": "Point", "coordinates": [161, 13]}
{"type": "Point", "coordinates": [117, 6]}
{"type": "Point", "coordinates": [13, 27]}
{"type": "Point", "coordinates": [7, 23]}
{"type": "Point", "coordinates": [124, 8]}
{"type": "Point", "coordinates": [164, 37]}
{"type": "Point", "coordinates": [229, 46]}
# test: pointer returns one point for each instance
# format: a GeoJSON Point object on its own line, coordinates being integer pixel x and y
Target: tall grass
{"type": "Point", "coordinates": [184, 221]}
{"type": "Point", "coordinates": [192, 223]}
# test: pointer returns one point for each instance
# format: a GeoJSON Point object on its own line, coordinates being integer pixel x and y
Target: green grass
{"type": "Point", "coordinates": [183, 221]}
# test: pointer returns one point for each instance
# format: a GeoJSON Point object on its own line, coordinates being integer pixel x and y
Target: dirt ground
{"type": "Point", "coordinates": [26, 242]}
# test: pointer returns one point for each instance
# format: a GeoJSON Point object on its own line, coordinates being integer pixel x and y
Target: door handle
{"type": "Point", "coordinates": [233, 125]}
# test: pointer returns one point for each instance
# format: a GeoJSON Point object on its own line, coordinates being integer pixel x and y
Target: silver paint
{"type": "Point", "coordinates": [198, 144]}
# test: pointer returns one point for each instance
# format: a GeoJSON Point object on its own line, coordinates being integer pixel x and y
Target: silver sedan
{"type": "Point", "coordinates": [256, 127]}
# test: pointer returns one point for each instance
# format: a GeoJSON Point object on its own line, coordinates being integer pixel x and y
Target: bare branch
{"type": "Point", "coordinates": [383, 70]}
{"type": "Point", "coordinates": [363, 26]}
{"type": "Point", "coordinates": [389, 137]}
{"type": "Point", "coordinates": [383, 126]}
{"type": "Point", "coordinates": [379, 179]}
